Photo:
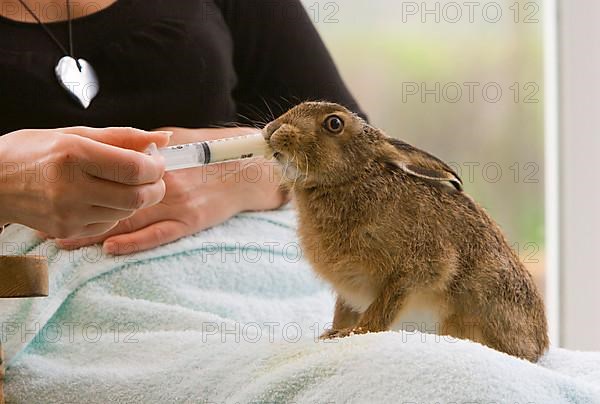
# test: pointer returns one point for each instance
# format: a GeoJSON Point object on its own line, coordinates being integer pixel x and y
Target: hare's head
{"type": "Point", "coordinates": [321, 143]}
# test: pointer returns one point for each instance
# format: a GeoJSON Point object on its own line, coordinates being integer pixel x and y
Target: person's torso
{"type": "Point", "coordinates": [159, 63]}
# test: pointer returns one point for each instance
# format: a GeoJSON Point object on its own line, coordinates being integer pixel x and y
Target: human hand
{"type": "Point", "coordinates": [78, 182]}
{"type": "Point", "coordinates": [196, 199]}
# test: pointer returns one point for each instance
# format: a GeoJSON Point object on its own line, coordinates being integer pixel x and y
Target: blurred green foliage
{"type": "Point", "coordinates": [384, 49]}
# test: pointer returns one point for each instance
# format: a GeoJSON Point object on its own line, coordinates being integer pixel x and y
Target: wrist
{"type": "Point", "coordinates": [261, 189]}
{"type": "Point", "coordinates": [276, 176]}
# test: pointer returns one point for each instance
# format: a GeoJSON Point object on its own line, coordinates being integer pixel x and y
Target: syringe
{"type": "Point", "coordinates": [213, 151]}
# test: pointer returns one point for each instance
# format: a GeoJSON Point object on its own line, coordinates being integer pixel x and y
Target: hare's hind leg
{"type": "Point", "coordinates": [517, 331]}
{"type": "Point", "coordinates": [492, 330]}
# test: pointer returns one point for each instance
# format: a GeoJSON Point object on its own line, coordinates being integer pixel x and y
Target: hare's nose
{"type": "Point", "coordinates": [270, 129]}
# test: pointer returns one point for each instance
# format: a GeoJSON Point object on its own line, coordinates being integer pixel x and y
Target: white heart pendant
{"type": "Point", "coordinates": [82, 85]}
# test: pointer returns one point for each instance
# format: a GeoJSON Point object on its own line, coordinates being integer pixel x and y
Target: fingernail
{"type": "Point", "coordinates": [152, 149]}
{"type": "Point", "coordinates": [109, 247]}
{"type": "Point", "coordinates": [165, 132]}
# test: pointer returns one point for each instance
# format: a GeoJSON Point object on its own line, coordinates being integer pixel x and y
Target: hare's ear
{"type": "Point", "coordinates": [421, 164]}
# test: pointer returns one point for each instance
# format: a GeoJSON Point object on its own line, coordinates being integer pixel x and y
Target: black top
{"type": "Point", "coordinates": [187, 63]}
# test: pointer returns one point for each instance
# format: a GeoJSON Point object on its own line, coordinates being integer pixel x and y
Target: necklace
{"type": "Point", "coordinates": [75, 75]}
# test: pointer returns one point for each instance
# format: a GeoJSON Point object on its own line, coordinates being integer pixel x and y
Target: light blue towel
{"type": "Point", "coordinates": [231, 315]}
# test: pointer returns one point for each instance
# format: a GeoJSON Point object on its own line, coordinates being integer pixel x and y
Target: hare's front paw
{"type": "Point", "coordinates": [341, 333]}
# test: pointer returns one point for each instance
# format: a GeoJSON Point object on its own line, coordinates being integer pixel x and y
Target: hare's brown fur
{"type": "Point", "coordinates": [389, 227]}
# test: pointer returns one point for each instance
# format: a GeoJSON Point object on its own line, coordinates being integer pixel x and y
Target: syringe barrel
{"type": "Point", "coordinates": [202, 153]}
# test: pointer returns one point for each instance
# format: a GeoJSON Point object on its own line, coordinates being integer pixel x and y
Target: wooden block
{"type": "Point", "coordinates": [23, 276]}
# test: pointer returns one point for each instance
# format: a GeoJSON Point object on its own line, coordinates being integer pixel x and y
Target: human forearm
{"type": "Point", "coordinates": [3, 213]}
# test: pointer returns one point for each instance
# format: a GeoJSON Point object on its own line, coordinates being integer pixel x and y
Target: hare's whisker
{"type": "Point", "coordinates": [296, 175]}
{"type": "Point", "coordinates": [306, 173]}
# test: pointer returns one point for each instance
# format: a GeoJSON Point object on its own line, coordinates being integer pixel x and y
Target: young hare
{"type": "Point", "coordinates": [390, 228]}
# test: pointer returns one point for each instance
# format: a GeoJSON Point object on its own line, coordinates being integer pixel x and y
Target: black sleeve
{"type": "Point", "coordinates": [279, 58]}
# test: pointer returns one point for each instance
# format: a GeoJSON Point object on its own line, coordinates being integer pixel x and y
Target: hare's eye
{"type": "Point", "coordinates": [334, 124]}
